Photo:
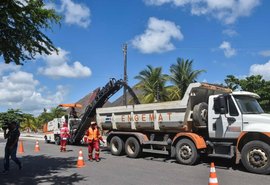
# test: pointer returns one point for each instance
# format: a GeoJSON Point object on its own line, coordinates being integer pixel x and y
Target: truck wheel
{"type": "Point", "coordinates": [57, 140]}
{"type": "Point", "coordinates": [186, 152]}
{"type": "Point", "coordinates": [200, 114]}
{"type": "Point", "coordinates": [255, 156]}
{"type": "Point", "coordinates": [133, 148]}
{"type": "Point", "coordinates": [116, 146]}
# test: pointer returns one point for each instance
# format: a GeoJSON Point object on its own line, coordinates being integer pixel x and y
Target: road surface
{"type": "Point", "coordinates": [49, 166]}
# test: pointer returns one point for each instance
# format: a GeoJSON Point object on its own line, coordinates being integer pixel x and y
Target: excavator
{"type": "Point", "coordinates": [79, 124]}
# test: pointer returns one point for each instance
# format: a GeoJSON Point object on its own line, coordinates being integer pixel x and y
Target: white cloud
{"type": "Point", "coordinates": [161, 2]}
{"type": "Point", "coordinates": [157, 37]}
{"type": "Point", "coordinates": [227, 11]}
{"type": "Point", "coordinates": [57, 66]}
{"type": "Point", "coordinates": [261, 69]}
{"type": "Point", "coordinates": [227, 49]}
{"type": "Point", "coordinates": [230, 32]}
{"type": "Point", "coordinates": [265, 53]}
{"type": "Point", "coordinates": [18, 90]}
{"type": "Point", "coordinates": [8, 67]}
{"type": "Point", "coordinates": [75, 13]}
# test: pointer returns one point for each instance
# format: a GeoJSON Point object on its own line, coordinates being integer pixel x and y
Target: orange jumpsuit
{"type": "Point", "coordinates": [93, 136]}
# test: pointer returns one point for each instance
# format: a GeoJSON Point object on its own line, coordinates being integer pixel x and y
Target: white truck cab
{"type": "Point", "coordinates": [238, 117]}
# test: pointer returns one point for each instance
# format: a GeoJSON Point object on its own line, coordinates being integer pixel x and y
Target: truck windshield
{"type": "Point", "coordinates": [248, 105]}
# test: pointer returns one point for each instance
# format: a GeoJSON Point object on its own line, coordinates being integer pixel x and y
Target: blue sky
{"type": "Point", "coordinates": [222, 37]}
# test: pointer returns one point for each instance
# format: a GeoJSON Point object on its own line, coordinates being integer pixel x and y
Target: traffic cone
{"type": "Point", "coordinates": [80, 162]}
{"type": "Point", "coordinates": [21, 150]}
{"type": "Point", "coordinates": [213, 176]}
{"type": "Point", "coordinates": [37, 149]}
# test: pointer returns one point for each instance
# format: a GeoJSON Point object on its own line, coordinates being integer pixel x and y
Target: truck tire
{"type": "Point", "coordinates": [116, 146]}
{"type": "Point", "coordinates": [200, 114]}
{"type": "Point", "coordinates": [57, 140]}
{"type": "Point", "coordinates": [133, 148]}
{"type": "Point", "coordinates": [255, 157]}
{"type": "Point", "coordinates": [186, 152]}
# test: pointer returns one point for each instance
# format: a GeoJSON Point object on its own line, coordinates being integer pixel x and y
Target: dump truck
{"type": "Point", "coordinates": [210, 120]}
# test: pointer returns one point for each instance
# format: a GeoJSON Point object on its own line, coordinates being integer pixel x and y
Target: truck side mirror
{"type": "Point", "coordinates": [220, 105]}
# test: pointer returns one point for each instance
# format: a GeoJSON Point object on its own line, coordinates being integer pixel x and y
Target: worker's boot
{"type": "Point", "coordinates": [90, 158]}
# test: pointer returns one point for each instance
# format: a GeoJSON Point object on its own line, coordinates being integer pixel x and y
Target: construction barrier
{"type": "Point", "coordinates": [80, 162]}
{"type": "Point", "coordinates": [213, 176]}
{"type": "Point", "coordinates": [21, 149]}
{"type": "Point", "coordinates": [37, 149]}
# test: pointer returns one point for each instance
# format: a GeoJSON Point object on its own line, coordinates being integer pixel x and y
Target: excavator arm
{"type": "Point", "coordinates": [99, 99]}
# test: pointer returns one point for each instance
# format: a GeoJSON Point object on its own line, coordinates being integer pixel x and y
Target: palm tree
{"type": "Point", "coordinates": [152, 83]}
{"type": "Point", "coordinates": [28, 123]}
{"type": "Point", "coordinates": [182, 75]}
{"type": "Point", "coordinates": [58, 112]}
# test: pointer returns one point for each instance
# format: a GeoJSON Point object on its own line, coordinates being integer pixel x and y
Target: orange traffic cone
{"type": "Point", "coordinates": [213, 176]}
{"type": "Point", "coordinates": [37, 149]}
{"type": "Point", "coordinates": [80, 162]}
{"type": "Point", "coordinates": [21, 150]}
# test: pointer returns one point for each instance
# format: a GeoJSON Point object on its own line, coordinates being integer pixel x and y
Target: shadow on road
{"type": "Point", "coordinates": [219, 162]}
{"type": "Point", "coordinates": [223, 163]}
{"type": "Point", "coordinates": [41, 169]}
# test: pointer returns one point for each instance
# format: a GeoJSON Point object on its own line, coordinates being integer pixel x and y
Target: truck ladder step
{"type": "Point", "coordinates": [164, 143]}
{"type": "Point", "coordinates": [222, 143]}
{"type": "Point", "coordinates": [156, 151]}
{"type": "Point", "coordinates": [221, 155]}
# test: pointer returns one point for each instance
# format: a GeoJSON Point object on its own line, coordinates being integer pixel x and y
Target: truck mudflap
{"type": "Point", "coordinates": [198, 140]}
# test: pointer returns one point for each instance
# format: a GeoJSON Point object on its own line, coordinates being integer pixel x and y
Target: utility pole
{"type": "Point", "coordinates": [125, 73]}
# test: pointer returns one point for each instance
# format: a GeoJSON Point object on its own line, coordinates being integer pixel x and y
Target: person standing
{"type": "Point", "coordinates": [73, 113]}
{"type": "Point", "coordinates": [12, 137]}
{"type": "Point", "coordinates": [64, 135]}
{"type": "Point", "coordinates": [94, 137]}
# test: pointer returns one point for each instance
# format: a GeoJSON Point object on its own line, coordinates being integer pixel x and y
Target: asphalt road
{"type": "Point", "coordinates": [49, 166]}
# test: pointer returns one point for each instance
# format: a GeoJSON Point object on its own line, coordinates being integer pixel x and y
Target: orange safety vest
{"type": "Point", "coordinates": [93, 134]}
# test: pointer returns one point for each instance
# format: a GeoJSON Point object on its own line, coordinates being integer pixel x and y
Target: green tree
{"type": "Point", "coordinates": [182, 74]}
{"type": "Point", "coordinates": [58, 112]}
{"type": "Point", "coordinates": [29, 123]}
{"type": "Point", "coordinates": [232, 82]}
{"type": "Point", "coordinates": [11, 115]}
{"type": "Point", "coordinates": [45, 116]}
{"type": "Point", "coordinates": [152, 83]}
{"type": "Point", "coordinates": [254, 83]}
{"type": "Point", "coordinates": [21, 26]}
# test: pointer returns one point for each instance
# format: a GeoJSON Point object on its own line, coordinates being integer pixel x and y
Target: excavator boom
{"type": "Point", "coordinates": [98, 99]}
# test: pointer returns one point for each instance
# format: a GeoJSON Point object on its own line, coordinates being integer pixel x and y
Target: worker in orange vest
{"type": "Point", "coordinates": [64, 135]}
{"type": "Point", "coordinates": [94, 137]}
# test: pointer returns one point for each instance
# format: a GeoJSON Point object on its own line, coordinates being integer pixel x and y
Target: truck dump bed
{"type": "Point", "coordinates": [170, 116]}
{"type": "Point", "coordinates": [154, 116]}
